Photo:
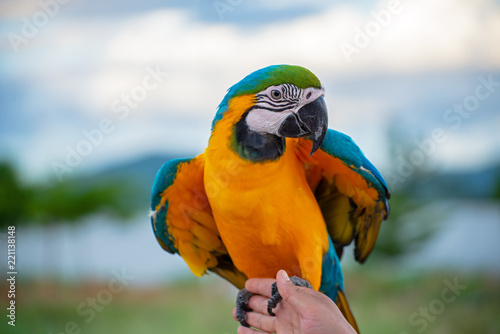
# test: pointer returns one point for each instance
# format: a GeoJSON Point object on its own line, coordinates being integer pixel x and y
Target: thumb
{"type": "Point", "coordinates": [285, 286]}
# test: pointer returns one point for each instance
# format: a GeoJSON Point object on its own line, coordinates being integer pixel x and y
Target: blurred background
{"type": "Point", "coordinates": [96, 95]}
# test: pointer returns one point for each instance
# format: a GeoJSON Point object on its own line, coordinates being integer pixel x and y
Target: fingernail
{"type": "Point", "coordinates": [284, 275]}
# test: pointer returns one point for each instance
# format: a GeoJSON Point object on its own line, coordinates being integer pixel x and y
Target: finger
{"type": "Point", "coordinates": [246, 330]}
{"type": "Point", "coordinates": [234, 314]}
{"type": "Point", "coordinates": [285, 286]}
{"type": "Point", "coordinates": [263, 322]}
{"type": "Point", "coordinates": [258, 304]}
{"type": "Point", "coordinates": [260, 286]}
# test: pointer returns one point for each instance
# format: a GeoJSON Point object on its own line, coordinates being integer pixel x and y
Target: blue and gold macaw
{"type": "Point", "coordinates": [275, 189]}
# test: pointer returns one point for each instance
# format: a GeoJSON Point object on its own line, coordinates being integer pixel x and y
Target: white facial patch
{"type": "Point", "coordinates": [309, 95]}
{"type": "Point", "coordinates": [266, 121]}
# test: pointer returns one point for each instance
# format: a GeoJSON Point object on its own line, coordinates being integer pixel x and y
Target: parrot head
{"type": "Point", "coordinates": [271, 104]}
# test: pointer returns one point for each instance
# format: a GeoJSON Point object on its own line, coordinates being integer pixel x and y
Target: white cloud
{"type": "Point", "coordinates": [284, 4]}
{"type": "Point", "coordinates": [204, 59]}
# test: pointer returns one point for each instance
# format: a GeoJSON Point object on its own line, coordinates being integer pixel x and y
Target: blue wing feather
{"type": "Point", "coordinates": [164, 179]}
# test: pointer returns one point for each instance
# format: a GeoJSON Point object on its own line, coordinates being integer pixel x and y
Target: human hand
{"type": "Point", "coordinates": [301, 311]}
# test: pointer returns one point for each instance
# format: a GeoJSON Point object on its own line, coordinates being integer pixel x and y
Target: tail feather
{"type": "Point", "coordinates": [343, 306]}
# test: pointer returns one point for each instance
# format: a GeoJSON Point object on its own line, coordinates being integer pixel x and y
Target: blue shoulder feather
{"type": "Point", "coordinates": [343, 147]}
{"type": "Point", "coordinates": [164, 179]}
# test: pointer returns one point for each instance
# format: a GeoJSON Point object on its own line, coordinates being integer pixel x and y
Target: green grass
{"type": "Point", "coordinates": [384, 305]}
{"type": "Point", "coordinates": [183, 308]}
{"type": "Point", "coordinates": [381, 305]}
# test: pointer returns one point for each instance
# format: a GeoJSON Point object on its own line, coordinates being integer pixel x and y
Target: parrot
{"type": "Point", "coordinates": [274, 189]}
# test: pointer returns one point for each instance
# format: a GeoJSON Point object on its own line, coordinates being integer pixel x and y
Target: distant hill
{"type": "Point", "coordinates": [142, 170]}
{"type": "Point", "coordinates": [139, 174]}
{"type": "Point", "coordinates": [471, 184]}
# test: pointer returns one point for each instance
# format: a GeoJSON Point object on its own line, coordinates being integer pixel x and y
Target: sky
{"type": "Point", "coordinates": [86, 84]}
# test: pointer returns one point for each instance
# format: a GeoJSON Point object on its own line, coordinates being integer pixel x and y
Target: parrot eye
{"type": "Point", "coordinates": [275, 94]}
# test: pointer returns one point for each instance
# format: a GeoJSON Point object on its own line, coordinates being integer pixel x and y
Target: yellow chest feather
{"type": "Point", "coordinates": [267, 216]}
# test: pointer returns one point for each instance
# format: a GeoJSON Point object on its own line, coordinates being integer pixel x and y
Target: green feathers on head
{"type": "Point", "coordinates": [272, 76]}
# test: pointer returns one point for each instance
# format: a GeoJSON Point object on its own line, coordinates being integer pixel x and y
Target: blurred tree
{"type": "Point", "coordinates": [496, 194]}
{"type": "Point", "coordinates": [71, 200]}
{"type": "Point", "coordinates": [13, 197]}
{"type": "Point", "coordinates": [53, 203]}
{"type": "Point", "coordinates": [408, 226]}
{"type": "Point", "coordinates": [59, 202]}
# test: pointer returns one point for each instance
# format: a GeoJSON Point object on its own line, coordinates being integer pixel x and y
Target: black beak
{"type": "Point", "coordinates": [311, 119]}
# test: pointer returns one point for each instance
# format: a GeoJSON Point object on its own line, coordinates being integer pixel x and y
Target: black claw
{"type": "Point", "coordinates": [242, 300]}
{"type": "Point", "coordinates": [274, 300]}
{"type": "Point", "coordinates": [276, 297]}
{"type": "Point", "coordinates": [297, 281]}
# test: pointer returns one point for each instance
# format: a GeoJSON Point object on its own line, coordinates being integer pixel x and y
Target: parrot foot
{"type": "Point", "coordinates": [275, 294]}
{"type": "Point", "coordinates": [242, 300]}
